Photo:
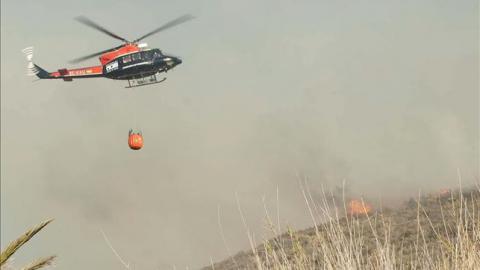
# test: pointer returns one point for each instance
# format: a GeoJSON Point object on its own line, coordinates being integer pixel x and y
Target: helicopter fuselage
{"type": "Point", "coordinates": [129, 62]}
{"type": "Point", "coordinates": [139, 64]}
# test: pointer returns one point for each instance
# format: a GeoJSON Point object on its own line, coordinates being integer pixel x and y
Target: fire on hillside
{"type": "Point", "coordinates": [357, 207]}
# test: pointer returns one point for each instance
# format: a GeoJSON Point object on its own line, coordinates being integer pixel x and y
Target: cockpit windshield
{"type": "Point", "coordinates": [157, 53]}
{"type": "Point", "coordinates": [147, 55]}
{"type": "Point", "coordinates": [151, 54]}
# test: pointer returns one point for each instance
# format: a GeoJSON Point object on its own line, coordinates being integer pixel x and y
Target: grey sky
{"type": "Point", "coordinates": [383, 94]}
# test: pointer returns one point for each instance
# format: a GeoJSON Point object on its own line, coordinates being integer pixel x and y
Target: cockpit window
{"type": "Point", "coordinates": [136, 56]}
{"type": "Point", "coordinates": [157, 53]}
{"type": "Point", "coordinates": [147, 55]}
{"type": "Point", "coordinates": [127, 58]}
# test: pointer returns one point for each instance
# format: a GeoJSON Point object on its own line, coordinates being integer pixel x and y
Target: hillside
{"type": "Point", "coordinates": [437, 231]}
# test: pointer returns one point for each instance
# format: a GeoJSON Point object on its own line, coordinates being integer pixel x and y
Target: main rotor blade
{"type": "Point", "coordinates": [94, 25]}
{"type": "Point", "coordinates": [86, 57]}
{"type": "Point", "coordinates": [170, 24]}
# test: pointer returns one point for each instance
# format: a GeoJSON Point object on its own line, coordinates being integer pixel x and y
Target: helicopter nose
{"type": "Point", "coordinates": [172, 61]}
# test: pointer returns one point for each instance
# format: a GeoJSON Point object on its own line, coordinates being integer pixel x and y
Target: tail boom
{"type": "Point", "coordinates": [65, 74]}
{"type": "Point", "coordinates": [68, 74]}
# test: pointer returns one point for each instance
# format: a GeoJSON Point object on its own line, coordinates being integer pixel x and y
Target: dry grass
{"type": "Point", "coordinates": [439, 231]}
{"type": "Point", "coordinates": [40, 263]}
{"type": "Point", "coordinates": [19, 242]}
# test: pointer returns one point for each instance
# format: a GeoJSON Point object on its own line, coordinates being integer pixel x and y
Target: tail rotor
{"type": "Point", "coordinates": [32, 69]}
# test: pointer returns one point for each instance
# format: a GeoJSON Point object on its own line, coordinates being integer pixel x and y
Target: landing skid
{"type": "Point", "coordinates": [144, 81]}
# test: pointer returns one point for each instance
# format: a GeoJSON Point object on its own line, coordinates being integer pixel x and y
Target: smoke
{"type": "Point", "coordinates": [381, 96]}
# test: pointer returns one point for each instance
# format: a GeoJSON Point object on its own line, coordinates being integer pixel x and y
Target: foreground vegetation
{"type": "Point", "coordinates": [14, 246]}
{"type": "Point", "coordinates": [437, 231]}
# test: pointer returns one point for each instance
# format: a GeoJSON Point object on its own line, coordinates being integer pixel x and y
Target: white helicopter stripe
{"type": "Point", "coordinates": [138, 64]}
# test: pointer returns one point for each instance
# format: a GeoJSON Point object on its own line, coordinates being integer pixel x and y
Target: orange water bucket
{"type": "Point", "coordinates": [135, 140]}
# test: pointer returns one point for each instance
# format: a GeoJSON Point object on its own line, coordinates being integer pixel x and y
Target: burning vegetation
{"type": "Point", "coordinates": [444, 192]}
{"type": "Point", "coordinates": [357, 207]}
{"type": "Point", "coordinates": [430, 233]}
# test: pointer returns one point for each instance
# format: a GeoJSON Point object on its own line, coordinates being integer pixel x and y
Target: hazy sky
{"type": "Point", "coordinates": [384, 94]}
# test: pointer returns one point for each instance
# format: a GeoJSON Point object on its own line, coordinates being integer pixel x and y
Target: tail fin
{"type": "Point", "coordinates": [33, 69]}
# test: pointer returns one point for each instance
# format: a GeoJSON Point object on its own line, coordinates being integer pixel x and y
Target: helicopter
{"type": "Point", "coordinates": [131, 61]}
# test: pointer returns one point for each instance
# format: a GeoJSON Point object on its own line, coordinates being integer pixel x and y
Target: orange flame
{"type": "Point", "coordinates": [358, 208]}
{"type": "Point", "coordinates": [444, 192]}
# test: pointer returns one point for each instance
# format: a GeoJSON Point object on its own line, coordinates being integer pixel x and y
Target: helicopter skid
{"type": "Point", "coordinates": [144, 81]}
